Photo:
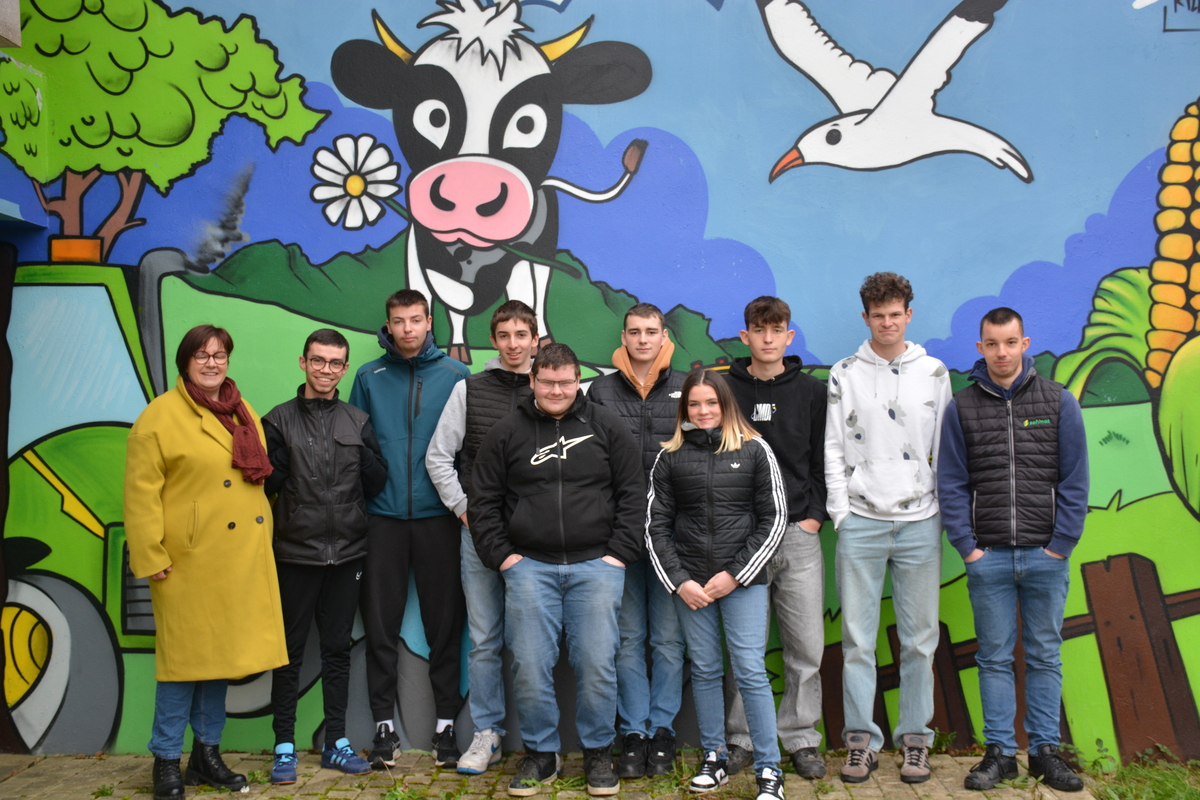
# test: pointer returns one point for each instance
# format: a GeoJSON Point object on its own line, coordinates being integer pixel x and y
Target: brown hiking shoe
{"type": "Point", "coordinates": [861, 760]}
{"type": "Point", "coordinates": [915, 768]}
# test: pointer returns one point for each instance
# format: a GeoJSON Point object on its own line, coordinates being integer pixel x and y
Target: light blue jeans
{"type": "Point", "coordinates": [484, 590]}
{"type": "Point", "coordinates": [796, 585]}
{"type": "Point", "coordinates": [542, 602]}
{"type": "Point", "coordinates": [742, 611]}
{"type": "Point", "coordinates": [865, 549]}
{"type": "Point", "coordinates": [996, 582]}
{"type": "Point", "coordinates": [646, 704]}
{"type": "Point", "coordinates": [176, 703]}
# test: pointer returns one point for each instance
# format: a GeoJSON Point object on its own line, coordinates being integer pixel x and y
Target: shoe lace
{"type": "Point", "coordinates": [284, 759]}
{"type": "Point", "coordinates": [709, 765]}
{"type": "Point", "coordinates": [856, 758]}
{"type": "Point", "coordinates": [915, 757]}
{"type": "Point", "coordinates": [480, 743]}
{"type": "Point", "coordinates": [769, 781]}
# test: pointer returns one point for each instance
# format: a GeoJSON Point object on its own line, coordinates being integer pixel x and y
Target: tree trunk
{"type": "Point", "coordinates": [133, 182]}
{"type": "Point", "coordinates": [68, 206]}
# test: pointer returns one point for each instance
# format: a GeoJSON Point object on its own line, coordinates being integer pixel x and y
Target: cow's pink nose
{"type": "Point", "coordinates": [475, 199]}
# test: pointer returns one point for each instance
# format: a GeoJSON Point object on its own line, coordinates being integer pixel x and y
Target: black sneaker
{"type": "Point", "coordinates": [660, 760]}
{"type": "Point", "coordinates": [207, 766]}
{"type": "Point", "coordinates": [770, 784]}
{"type": "Point", "coordinates": [712, 774]}
{"type": "Point", "coordinates": [808, 763]}
{"type": "Point", "coordinates": [598, 769]}
{"type": "Point", "coordinates": [535, 768]}
{"type": "Point", "coordinates": [632, 761]}
{"type": "Point", "coordinates": [1047, 765]}
{"type": "Point", "coordinates": [994, 768]}
{"type": "Point", "coordinates": [445, 748]}
{"type": "Point", "coordinates": [737, 759]}
{"type": "Point", "coordinates": [384, 747]}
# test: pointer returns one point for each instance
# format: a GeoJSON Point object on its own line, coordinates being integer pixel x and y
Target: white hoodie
{"type": "Point", "coordinates": [882, 430]}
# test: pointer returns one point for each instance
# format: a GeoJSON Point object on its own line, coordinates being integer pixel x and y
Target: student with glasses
{"type": "Point", "coordinates": [199, 526]}
{"type": "Point", "coordinates": [327, 462]}
{"type": "Point", "coordinates": [557, 503]}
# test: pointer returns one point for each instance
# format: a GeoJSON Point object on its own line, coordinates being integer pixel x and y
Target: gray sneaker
{"type": "Point", "coordinates": [861, 760]}
{"type": "Point", "coordinates": [737, 759]}
{"type": "Point", "coordinates": [915, 768]}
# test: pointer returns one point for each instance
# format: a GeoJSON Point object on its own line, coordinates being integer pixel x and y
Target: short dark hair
{"type": "Point", "coordinates": [328, 337]}
{"type": "Point", "coordinates": [555, 356]}
{"type": "Point", "coordinates": [646, 310]}
{"type": "Point", "coordinates": [515, 309]}
{"type": "Point", "coordinates": [405, 298]}
{"type": "Point", "coordinates": [767, 310]}
{"type": "Point", "coordinates": [1001, 316]}
{"type": "Point", "coordinates": [884, 287]}
{"type": "Point", "coordinates": [195, 339]}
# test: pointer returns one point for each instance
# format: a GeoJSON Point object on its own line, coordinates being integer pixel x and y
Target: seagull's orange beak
{"type": "Point", "coordinates": [791, 158]}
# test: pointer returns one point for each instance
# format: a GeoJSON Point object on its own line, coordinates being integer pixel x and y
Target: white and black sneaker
{"type": "Point", "coordinates": [711, 776]}
{"type": "Point", "coordinates": [770, 784]}
{"type": "Point", "coordinates": [384, 747]}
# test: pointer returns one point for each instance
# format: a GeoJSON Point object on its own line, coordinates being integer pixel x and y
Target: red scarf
{"type": "Point", "coordinates": [248, 453]}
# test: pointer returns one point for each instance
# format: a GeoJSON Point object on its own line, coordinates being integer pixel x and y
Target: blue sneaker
{"type": "Point", "coordinates": [342, 756]}
{"type": "Point", "coordinates": [284, 768]}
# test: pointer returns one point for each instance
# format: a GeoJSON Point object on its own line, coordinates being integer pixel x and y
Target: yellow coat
{"type": "Point", "coordinates": [217, 612]}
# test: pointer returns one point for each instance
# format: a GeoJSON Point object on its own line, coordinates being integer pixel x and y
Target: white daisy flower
{"type": "Point", "coordinates": [360, 168]}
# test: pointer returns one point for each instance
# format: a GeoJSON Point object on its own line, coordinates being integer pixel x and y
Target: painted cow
{"type": "Point", "coordinates": [478, 114]}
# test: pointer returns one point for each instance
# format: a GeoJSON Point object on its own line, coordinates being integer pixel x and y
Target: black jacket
{"type": "Point", "coordinates": [789, 412]}
{"type": "Point", "coordinates": [557, 490]}
{"type": "Point", "coordinates": [326, 463]}
{"type": "Point", "coordinates": [491, 396]}
{"type": "Point", "coordinates": [651, 421]}
{"type": "Point", "coordinates": [713, 512]}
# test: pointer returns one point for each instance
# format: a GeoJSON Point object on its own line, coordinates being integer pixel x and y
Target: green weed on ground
{"type": "Point", "coordinates": [1150, 780]}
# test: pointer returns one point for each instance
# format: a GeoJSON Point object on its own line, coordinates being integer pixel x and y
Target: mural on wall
{"type": "Point", "coordinates": [273, 174]}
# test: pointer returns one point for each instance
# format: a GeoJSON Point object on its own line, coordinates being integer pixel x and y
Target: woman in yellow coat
{"type": "Point", "coordinates": [199, 526]}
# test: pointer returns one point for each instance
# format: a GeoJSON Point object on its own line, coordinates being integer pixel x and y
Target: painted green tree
{"type": "Point", "coordinates": [129, 89]}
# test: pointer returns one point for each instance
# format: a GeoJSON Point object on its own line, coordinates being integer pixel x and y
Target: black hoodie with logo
{"type": "Point", "coordinates": [788, 411]}
{"type": "Point", "coordinates": [560, 491]}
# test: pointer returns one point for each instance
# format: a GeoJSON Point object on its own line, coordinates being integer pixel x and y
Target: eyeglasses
{"type": "Point", "coordinates": [202, 357]}
{"type": "Point", "coordinates": [335, 365]}
{"type": "Point", "coordinates": [564, 385]}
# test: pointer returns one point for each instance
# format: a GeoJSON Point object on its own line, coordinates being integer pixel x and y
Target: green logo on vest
{"type": "Point", "coordinates": [1027, 423]}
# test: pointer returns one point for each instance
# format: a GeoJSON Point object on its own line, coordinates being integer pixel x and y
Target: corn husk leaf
{"type": "Point", "coordinates": [1179, 423]}
{"type": "Point", "coordinates": [1116, 329]}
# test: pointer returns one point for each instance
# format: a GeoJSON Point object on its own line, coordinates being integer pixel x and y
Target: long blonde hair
{"type": "Point", "coordinates": [735, 430]}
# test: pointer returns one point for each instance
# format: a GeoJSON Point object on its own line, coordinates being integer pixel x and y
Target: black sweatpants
{"type": "Point", "coordinates": [430, 547]}
{"type": "Point", "coordinates": [331, 593]}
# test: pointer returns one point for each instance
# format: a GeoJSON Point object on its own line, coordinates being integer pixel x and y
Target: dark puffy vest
{"type": "Point", "coordinates": [1012, 455]}
{"type": "Point", "coordinates": [651, 421]}
{"type": "Point", "coordinates": [321, 514]}
{"type": "Point", "coordinates": [491, 396]}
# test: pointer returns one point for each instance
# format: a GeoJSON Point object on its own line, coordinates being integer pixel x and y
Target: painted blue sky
{"type": "Point", "coordinates": [1086, 89]}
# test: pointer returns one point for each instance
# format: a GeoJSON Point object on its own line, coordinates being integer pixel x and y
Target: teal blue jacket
{"type": "Point", "coordinates": [405, 397]}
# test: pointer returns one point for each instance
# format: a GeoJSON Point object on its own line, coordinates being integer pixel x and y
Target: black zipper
{"type": "Point", "coordinates": [1012, 472]}
{"type": "Point", "coordinates": [412, 420]}
{"type": "Point", "coordinates": [711, 522]}
{"type": "Point", "coordinates": [328, 490]}
{"type": "Point", "coordinates": [562, 529]}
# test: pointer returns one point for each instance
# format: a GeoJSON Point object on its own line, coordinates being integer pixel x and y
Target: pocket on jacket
{"type": "Point", "coordinates": [193, 525]}
{"type": "Point", "coordinates": [892, 484]}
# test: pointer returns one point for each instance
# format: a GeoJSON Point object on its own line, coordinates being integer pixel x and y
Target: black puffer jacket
{"type": "Point", "coordinates": [326, 462]}
{"type": "Point", "coordinates": [713, 512]}
{"type": "Point", "coordinates": [652, 420]}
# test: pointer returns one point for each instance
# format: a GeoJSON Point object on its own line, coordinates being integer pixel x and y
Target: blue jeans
{"type": "Point", "coordinates": [646, 704]}
{"type": "Point", "coordinates": [996, 582]}
{"type": "Point", "coordinates": [541, 602]}
{"type": "Point", "coordinates": [743, 611]}
{"type": "Point", "coordinates": [484, 589]}
{"type": "Point", "coordinates": [178, 702]}
{"type": "Point", "coordinates": [865, 549]}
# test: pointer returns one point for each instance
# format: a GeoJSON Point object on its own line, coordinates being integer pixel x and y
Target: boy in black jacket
{"type": "Point", "coordinates": [326, 462]}
{"type": "Point", "coordinates": [787, 406]}
{"type": "Point", "coordinates": [557, 505]}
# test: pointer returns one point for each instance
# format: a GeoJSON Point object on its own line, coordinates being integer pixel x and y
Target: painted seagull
{"type": "Point", "coordinates": [884, 121]}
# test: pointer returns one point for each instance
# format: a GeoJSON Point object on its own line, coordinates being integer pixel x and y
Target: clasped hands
{"type": "Point", "coordinates": [697, 596]}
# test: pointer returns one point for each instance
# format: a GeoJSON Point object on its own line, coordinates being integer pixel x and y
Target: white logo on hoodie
{"type": "Point", "coordinates": [763, 412]}
{"type": "Point", "coordinates": [550, 451]}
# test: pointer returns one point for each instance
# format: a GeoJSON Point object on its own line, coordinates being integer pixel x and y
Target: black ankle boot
{"type": "Point", "coordinates": [206, 766]}
{"type": "Point", "coordinates": [168, 783]}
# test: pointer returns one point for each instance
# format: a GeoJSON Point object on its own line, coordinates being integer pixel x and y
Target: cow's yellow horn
{"type": "Point", "coordinates": [560, 46]}
{"type": "Point", "coordinates": [389, 40]}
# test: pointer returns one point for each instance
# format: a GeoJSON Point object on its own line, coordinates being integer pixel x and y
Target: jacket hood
{"type": "Point", "coordinates": [866, 353]}
{"type": "Point", "coordinates": [308, 403]}
{"type": "Point", "coordinates": [429, 350]}
{"type": "Point", "coordinates": [702, 437]}
{"type": "Point", "coordinates": [979, 374]}
{"type": "Point", "coordinates": [662, 363]}
{"type": "Point", "coordinates": [792, 366]}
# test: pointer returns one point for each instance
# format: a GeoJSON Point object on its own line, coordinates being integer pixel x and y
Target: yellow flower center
{"type": "Point", "coordinates": [355, 185]}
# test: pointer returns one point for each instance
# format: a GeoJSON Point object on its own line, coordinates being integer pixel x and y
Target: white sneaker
{"type": "Point", "coordinates": [770, 784]}
{"type": "Point", "coordinates": [483, 752]}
